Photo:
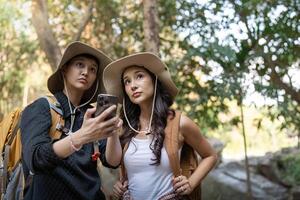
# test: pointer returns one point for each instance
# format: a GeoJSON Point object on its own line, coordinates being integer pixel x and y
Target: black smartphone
{"type": "Point", "coordinates": [104, 101]}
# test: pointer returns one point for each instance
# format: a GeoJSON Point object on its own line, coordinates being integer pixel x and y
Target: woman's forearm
{"type": "Point", "coordinates": [113, 151]}
{"type": "Point", "coordinates": [68, 145]}
{"type": "Point", "coordinates": [202, 170]}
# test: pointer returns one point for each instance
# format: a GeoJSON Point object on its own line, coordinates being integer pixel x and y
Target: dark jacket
{"type": "Point", "coordinates": [74, 177]}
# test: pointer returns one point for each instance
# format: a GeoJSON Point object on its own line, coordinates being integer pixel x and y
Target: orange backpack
{"type": "Point", "coordinates": [189, 158]}
{"type": "Point", "coordinates": [12, 180]}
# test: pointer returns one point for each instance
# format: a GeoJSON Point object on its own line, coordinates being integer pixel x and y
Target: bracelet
{"type": "Point", "coordinates": [73, 147]}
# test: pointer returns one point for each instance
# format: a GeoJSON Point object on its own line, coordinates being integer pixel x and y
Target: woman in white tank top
{"type": "Point", "coordinates": [144, 83]}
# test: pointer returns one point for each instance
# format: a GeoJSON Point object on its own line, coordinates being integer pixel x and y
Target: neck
{"type": "Point", "coordinates": [145, 115]}
{"type": "Point", "coordinates": [146, 110]}
{"type": "Point", "coordinates": [73, 96]}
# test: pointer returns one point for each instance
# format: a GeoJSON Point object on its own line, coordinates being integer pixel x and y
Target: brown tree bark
{"type": "Point", "coordinates": [85, 20]}
{"type": "Point", "coordinates": [44, 32]}
{"type": "Point", "coordinates": [151, 26]}
{"type": "Point", "coordinates": [276, 80]}
{"type": "Point", "coordinates": [48, 42]}
{"type": "Point", "coordinates": [247, 167]}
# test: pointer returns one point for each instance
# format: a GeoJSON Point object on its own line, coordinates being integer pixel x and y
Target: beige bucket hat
{"type": "Point", "coordinates": [55, 81]}
{"type": "Point", "coordinates": [113, 72]}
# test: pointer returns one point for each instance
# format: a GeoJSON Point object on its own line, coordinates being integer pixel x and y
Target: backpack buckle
{"type": "Point", "coordinates": [61, 128]}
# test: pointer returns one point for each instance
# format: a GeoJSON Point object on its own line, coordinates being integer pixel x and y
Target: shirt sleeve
{"type": "Point", "coordinates": [102, 148]}
{"type": "Point", "coordinates": [38, 153]}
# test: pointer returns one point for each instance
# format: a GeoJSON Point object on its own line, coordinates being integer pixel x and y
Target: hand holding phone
{"type": "Point", "coordinates": [104, 101]}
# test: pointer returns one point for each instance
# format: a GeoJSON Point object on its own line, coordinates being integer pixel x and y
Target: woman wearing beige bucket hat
{"type": "Point", "coordinates": [144, 83]}
{"type": "Point", "coordinates": [66, 168]}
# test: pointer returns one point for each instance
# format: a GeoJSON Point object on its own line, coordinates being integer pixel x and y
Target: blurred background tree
{"type": "Point", "coordinates": [236, 62]}
{"type": "Point", "coordinates": [218, 52]}
{"type": "Point", "coordinates": [16, 55]}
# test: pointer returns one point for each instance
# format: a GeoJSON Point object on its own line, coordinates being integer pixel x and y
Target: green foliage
{"type": "Point", "coordinates": [240, 39]}
{"type": "Point", "coordinates": [289, 168]}
{"type": "Point", "coordinates": [210, 47]}
{"type": "Point", "coordinates": [16, 54]}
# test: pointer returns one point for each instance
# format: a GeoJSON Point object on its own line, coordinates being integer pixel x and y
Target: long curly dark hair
{"type": "Point", "coordinates": [161, 112]}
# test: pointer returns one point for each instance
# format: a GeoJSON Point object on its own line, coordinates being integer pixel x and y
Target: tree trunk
{"type": "Point", "coordinates": [1, 116]}
{"type": "Point", "coordinates": [44, 32]}
{"type": "Point", "coordinates": [277, 80]}
{"type": "Point", "coordinates": [85, 19]}
{"type": "Point", "coordinates": [298, 141]}
{"type": "Point", "coordinates": [25, 93]}
{"type": "Point", "coordinates": [151, 26]}
{"type": "Point", "coordinates": [249, 190]}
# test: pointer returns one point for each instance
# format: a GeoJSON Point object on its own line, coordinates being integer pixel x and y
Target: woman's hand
{"type": "Point", "coordinates": [92, 129]}
{"type": "Point", "coordinates": [119, 189]}
{"type": "Point", "coordinates": [182, 185]}
{"type": "Point", "coordinates": [97, 128]}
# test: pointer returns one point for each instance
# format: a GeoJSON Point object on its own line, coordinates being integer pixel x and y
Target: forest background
{"type": "Point", "coordinates": [234, 61]}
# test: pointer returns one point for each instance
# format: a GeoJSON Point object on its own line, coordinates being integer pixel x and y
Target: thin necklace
{"type": "Point", "coordinates": [148, 130]}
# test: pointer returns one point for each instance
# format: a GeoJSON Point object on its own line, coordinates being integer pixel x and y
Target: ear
{"type": "Point", "coordinates": [64, 70]}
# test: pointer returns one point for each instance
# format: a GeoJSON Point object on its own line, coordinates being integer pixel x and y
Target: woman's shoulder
{"type": "Point", "coordinates": [39, 107]}
{"type": "Point", "coordinates": [35, 112]}
{"type": "Point", "coordinates": [186, 124]}
{"type": "Point", "coordinates": [38, 104]}
{"type": "Point", "coordinates": [182, 118]}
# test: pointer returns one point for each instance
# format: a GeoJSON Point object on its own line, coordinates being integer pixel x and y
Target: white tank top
{"type": "Point", "coordinates": [145, 181]}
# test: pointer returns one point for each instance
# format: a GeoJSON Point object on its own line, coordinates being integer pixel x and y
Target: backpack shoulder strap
{"type": "Point", "coordinates": [171, 142]}
{"type": "Point", "coordinates": [54, 104]}
{"type": "Point", "coordinates": [9, 127]}
{"type": "Point", "coordinates": [10, 131]}
{"type": "Point", "coordinates": [56, 117]}
{"type": "Point", "coordinates": [122, 172]}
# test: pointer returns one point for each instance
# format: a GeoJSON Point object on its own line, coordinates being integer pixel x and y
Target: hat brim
{"type": "Point", "coordinates": [55, 81]}
{"type": "Point", "coordinates": [112, 73]}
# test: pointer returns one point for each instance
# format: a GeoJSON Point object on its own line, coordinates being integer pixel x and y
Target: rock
{"type": "Point", "coordinates": [272, 165]}
{"type": "Point", "coordinates": [295, 193]}
{"type": "Point", "coordinates": [218, 147]}
{"type": "Point", "coordinates": [216, 144]}
{"type": "Point", "coordinates": [228, 182]}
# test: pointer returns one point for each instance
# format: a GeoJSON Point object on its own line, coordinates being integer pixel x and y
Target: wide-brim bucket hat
{"type": "Point", "coordinates": [112, 75]}
{"type": "Point", "coordinates": [56, 82]}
